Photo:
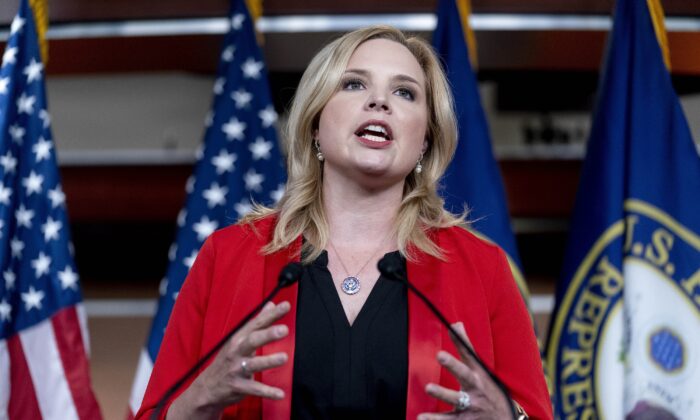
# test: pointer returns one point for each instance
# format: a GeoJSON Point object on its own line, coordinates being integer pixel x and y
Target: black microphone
{"type": "Point", "coordinates": [289, 275]}
{"type": "Point", "coordinates": [393, 269]}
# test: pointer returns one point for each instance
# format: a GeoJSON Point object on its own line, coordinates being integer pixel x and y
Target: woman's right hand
{"type": "Point", "coordinates": [229, 378]}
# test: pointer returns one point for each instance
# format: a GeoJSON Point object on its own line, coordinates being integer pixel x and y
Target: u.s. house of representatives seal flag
{"type": "Point", "coordinates": [44, 346]}
{"type": "Point", "coordinates": [240, 164]}
{"type": "Point", "coordinates": [625, 340]}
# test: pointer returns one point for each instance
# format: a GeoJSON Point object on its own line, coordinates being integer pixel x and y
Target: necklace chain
{"type": "Point", "coordinates": [337, 254]}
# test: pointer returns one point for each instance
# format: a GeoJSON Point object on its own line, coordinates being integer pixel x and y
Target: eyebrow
{"type": "Point", "coordinates": [399, 77]}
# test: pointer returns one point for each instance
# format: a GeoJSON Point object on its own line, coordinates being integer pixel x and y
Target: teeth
{"type": "Point", "coordinates": [377, 128]}
{"type": "Point", "coordinates": [373, 138]}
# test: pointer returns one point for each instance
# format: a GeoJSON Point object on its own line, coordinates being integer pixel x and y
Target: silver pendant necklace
{"type": "Point", "coordinates": [351, 284]}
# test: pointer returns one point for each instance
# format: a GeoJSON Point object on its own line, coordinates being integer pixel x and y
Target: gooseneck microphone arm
{"type": "Point", "coordinates": [289, 275]}
{"type": "Point", "coordinates": [393, 270]}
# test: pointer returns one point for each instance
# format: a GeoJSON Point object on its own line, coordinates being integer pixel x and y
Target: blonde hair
{"type": "Point", "coordinates": [301, 211]}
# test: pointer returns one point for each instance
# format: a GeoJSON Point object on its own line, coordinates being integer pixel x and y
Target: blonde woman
{"type": "Point", "coordinates": [371, 131]}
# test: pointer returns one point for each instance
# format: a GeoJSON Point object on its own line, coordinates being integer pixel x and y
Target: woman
{"type": "Point", "coordinates": [370, 133]}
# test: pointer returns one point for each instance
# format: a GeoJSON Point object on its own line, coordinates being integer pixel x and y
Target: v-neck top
{"type": "Point", "coordinates": [343, 371]}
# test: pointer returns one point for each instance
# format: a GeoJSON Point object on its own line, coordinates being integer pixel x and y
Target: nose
{"type": "Point", "coordinates": [377, 103]}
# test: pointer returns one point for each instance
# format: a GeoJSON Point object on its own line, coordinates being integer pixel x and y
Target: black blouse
{"type": "Point", "coordinates": [343, 371]}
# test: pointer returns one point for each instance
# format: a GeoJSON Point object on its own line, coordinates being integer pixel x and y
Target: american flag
{"type": "Point", "coordinates": [240, 164]}
{"type": "Point", "coordinates": [44, 348]}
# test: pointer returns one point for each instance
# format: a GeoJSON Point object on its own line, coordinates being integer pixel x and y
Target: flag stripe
{"type": "Point", "coordinates": [23, 402]}
{"type": "Point", "coordinates": [75, 364]}
{"type": "Point", "coordinates": [143, 373]}
{"type": "Point", "coordinates": [82, 319]}
{"type": "Point", "coordinates": [4, 380]}
{"type": "Point", "coordinates": [46, 370]}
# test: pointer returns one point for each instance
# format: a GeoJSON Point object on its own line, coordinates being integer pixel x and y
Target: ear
{"type": "Point", "coordinates": [314, 133]}
{"type": "Point", "coordinates": [425, 147]}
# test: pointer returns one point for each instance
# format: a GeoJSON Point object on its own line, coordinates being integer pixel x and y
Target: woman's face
{"type": "Point", "coordinates": [373, 129]}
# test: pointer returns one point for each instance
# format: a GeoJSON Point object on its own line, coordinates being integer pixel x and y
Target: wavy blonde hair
{"type": "Point", "coordinates": [301, 211]}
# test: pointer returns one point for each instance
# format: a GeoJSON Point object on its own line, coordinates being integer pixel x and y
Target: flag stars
{"type": "Point", "coordinates": [17, 25]}
{"type": "Point", "coordinates": [9, 56]}
{"type": "Point", "coordinates": [68, 278]}
{"type": "Point", "coordinates": [172, 252]}
{"type": "Point", "coordinates": [224, 162]}
{"type": "Point", "coordinates": [4, 83]}
{"type": "Point", "coordinates": [51, 229]}
{"type": "Point", "coordinates": [57, 197]}
{"type": "Point", "coordinates": [228, 53]}
{"type": "Point", "coordinates": [45, 118]}
{"type": "Point", "coordinates": [215, 195]}
{"type": "Point", "coordinates": [204, 228]}
{"type": "Point", "coordinates": [33, 183]}
{"type": "Point", "coordinates": [260, 149]}
{"type": "Point", "coordinates": [237, 21]}
{"type": "Point", "coordinates": [268, 116]}
{"type": "Point", "coordinates": [17, 133]}
{"type": "Point", "coordinates": [5, 194]}
{"type": "Point", "coordinates": [242, 98]}
{"type": "Point", "coordinates": [253, 180]}
{"type": "Point", "coordinates": [10, 278]}
{"type": "Point", "coordinates": [16, 245]}
{"type": "Point", "coordinates": [189, 185]}
{"type": "Point", "coordinates": [251, 68]}
{"type": "Point", "coordinates": [234, 129]}
{"type": "Point", "coordinates": [277, 194]}
{"type": "Point", "coordinates": [33, 71]}
{"type": "Point", "coordinates": [243, 207]}
{"type": "Point", "coordinates": [41, 264]}
{"type": "Point", "coordinates": [5, 310]}
{"type": "Point", "coordinates": [32, 299]}
{"type": "Point", "coordinates": [182, 217]}
{"type": "Point", "coordinates": [189, 261]}
{"type": "Point", "coordinates": [42, 149]}
{"type": "Point", "coordinates": [24, 218]}
{"type": "Point", "coordinates": [219, 85]}
{"type": "Point", "coordinates": [8, 162]}
{"type": "Point", "coordinates": [25, 104]}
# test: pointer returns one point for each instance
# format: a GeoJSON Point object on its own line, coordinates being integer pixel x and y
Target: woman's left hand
{"type": "Point", "coordinates": [483, 398]}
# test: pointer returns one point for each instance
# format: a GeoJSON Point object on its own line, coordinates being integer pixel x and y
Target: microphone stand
{"type": "Point", "coordinates": [289, 275]}
{"type": "Point", "coordinates": [393, 271]}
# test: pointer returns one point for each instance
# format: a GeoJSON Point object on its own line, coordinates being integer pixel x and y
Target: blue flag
{"type": "Point", "coordinates": [239, 165]}
{"type": "Point", "coordinates": [44, 370]}
{"type": "Point", "coordinates": [473, 178]}
{"type": "Point", "coordinates": [626, 333]}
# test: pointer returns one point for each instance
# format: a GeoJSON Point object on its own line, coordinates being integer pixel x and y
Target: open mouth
{"type": "Point", "coordinates": [374, 131]}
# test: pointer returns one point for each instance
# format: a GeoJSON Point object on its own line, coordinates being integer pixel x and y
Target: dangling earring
{"type": "Point", "coordinates": [319, 155]}
{"type": "Point", "coordinates": [419, 166]}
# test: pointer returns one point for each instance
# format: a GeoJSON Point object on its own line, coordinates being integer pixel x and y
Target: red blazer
{"type": "Point", "coordinates": [475, 286]}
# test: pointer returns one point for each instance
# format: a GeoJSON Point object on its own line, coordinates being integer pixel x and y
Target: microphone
{"type": "Point", "coordinates": [394, 270]}
{"type": "Point", "coordinates": [289, 275]}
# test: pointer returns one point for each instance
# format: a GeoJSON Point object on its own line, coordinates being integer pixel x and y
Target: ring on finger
{"type": "Point", "coordinates": [245, 369]}
{"type": "Point", "coordinates": [463, 402]}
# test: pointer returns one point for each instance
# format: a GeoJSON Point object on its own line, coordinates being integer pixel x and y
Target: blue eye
{"type": "Point", "coordinates": [353, 84]}
{"type": "Point", "coordinates": [405, 93]}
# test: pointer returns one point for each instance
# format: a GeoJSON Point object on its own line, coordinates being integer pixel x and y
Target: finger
{"type": "Point", "coordinates": [258, 389]}
{"type": "Point", "coordinates": [458, 329]}
{"type": "Point", "coordinates": [261, 337]}
{"type": "Point", "coordinates": [464, 374]}
{"type": "Point", "coordinates": [268, 315]}
{"type": "Point", "coordinates": [260, 363]}
{"type": "Point", "coordinates": [437, 416]}
{"type": "Point", "coordinates": [447, 395]}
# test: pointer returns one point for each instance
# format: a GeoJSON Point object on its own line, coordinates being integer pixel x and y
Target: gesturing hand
{"type": "Point", "coordinates": [478, 398]}
{"type": "Point", "coordinates": [229, 378]}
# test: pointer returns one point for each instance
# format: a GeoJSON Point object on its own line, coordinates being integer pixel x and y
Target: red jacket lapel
{"type": "Point", "coordinates": [282, 376]}
{"type": "Point", "coordinates": [424, 335]}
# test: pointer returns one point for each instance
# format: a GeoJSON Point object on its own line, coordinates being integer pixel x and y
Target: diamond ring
{"type": "Point", "coordinates": [244, 367]}
{"type": "Point", "coordinates": [463, 402]}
